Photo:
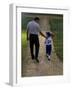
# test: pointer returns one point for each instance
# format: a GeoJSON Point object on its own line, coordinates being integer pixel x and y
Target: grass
{"type": "Point", "coordinates": [24, 39]}
{"type": "Point", "coordinates": [24, 47]}
{"type": "Point", "coordinates": [57, 28]}
{"type": "Point", "coordinates": [58, 44]}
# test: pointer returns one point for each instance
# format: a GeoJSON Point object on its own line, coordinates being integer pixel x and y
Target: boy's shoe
{"type": "Point", "coordinates": [47, 55]}
{"type": "Point", "coordinates": [49, 58]}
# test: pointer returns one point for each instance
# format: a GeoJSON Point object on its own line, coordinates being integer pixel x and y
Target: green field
{"type": "Point", "coordinates": [24, 39]}
{"type": "Point", "coordinates": [57, 28]}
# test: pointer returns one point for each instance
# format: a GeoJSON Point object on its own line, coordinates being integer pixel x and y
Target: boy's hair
{"type": "Point", "coordinates": [48, 34]}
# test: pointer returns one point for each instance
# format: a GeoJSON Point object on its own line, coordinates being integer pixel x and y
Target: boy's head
{"type": "Point", "coordinates": [48, 34]}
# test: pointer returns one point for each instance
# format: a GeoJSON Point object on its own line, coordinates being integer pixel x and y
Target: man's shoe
{"type": "Point", "coordinates": [37, 60]}
{"type": "Point", "coordinates": [33, 57]}
{"type": "Point", "coordinates": [48, 59]}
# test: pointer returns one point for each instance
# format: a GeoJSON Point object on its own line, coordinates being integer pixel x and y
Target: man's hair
{"type": "Point", "coordinates": [36, 18]}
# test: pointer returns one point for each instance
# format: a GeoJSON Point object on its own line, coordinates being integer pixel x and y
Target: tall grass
{"type": "Point", "coordinates": [57, 28]}
{"type": "Point", "coordinates": [24, 39]}
{"type": "Point", "coordinates": [23, 48]}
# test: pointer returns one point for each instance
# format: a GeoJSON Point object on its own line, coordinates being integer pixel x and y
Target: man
{"type": "Point", "coordinates": [33, 30]}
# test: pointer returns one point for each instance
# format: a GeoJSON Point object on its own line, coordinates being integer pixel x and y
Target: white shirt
{"type": "Point", "coordinates": [33, 27]}
{"type": "Point", "coordinates": [48, 41]}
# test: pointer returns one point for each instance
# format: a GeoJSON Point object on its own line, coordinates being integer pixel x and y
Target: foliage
{"type": "Point", "coordinates": [25, 21]}
{"type": "Point", "coordinates": [57, 28]}
{"type": "Point", "coordinates": [24, 39]}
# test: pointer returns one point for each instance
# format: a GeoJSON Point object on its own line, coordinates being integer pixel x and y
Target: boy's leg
{"type": "Point", "coordinates": [49, 51]}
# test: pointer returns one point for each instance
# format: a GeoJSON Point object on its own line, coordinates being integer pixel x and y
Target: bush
{"type": "Point", "coordinates": [24, 39]}
{"type": "Point", "coordinates": [57, 28]}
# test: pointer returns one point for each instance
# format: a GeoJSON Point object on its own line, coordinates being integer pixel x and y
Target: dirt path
{"type": "Point", "coordinates": [44, 67]}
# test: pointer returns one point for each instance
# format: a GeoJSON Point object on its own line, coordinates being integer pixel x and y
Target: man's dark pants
{"type": "Point", "coordinates": [34, 40]}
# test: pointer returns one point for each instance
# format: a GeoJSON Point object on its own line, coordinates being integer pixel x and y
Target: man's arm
{"type": "Point", "coordinates": [27, 31]}
{"type": "Point", "coordinates": [27, 34]}
{"type": "Point", "coordinates": [42, 34]}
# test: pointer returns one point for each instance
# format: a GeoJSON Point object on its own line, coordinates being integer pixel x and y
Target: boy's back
{"type": "Point", "coordinates": [48, 41]}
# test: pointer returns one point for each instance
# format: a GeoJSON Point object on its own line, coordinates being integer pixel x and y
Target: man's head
{"type": "Point", "coordinates": [37, 19]}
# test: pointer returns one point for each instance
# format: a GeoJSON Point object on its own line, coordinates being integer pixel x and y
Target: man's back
{"type": "Point", "coordinates": [33, 27]}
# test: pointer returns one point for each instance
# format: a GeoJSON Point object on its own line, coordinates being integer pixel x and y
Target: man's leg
{"type": "Point", "coordinates": [31, 46]}
{"type": "Point", "coordinates": [36, 47]}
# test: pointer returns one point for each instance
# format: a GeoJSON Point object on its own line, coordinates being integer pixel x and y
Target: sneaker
{"type": "Point", "coordinates": [33, 57]}
{"type": "Point", "coordinates": [49, 58]}
{"type": "Point", "coordinates": [46, 55]}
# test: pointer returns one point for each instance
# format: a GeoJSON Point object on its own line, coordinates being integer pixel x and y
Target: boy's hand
{"type": "Point", "coordinates": [52, 34]}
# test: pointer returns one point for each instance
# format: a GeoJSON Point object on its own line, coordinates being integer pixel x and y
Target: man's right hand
{"type": "Point", "coordinates": [43, 35]}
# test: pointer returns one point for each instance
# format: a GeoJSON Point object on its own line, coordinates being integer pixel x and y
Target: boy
{"type": "Point", "coordinates": [48, 43]}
